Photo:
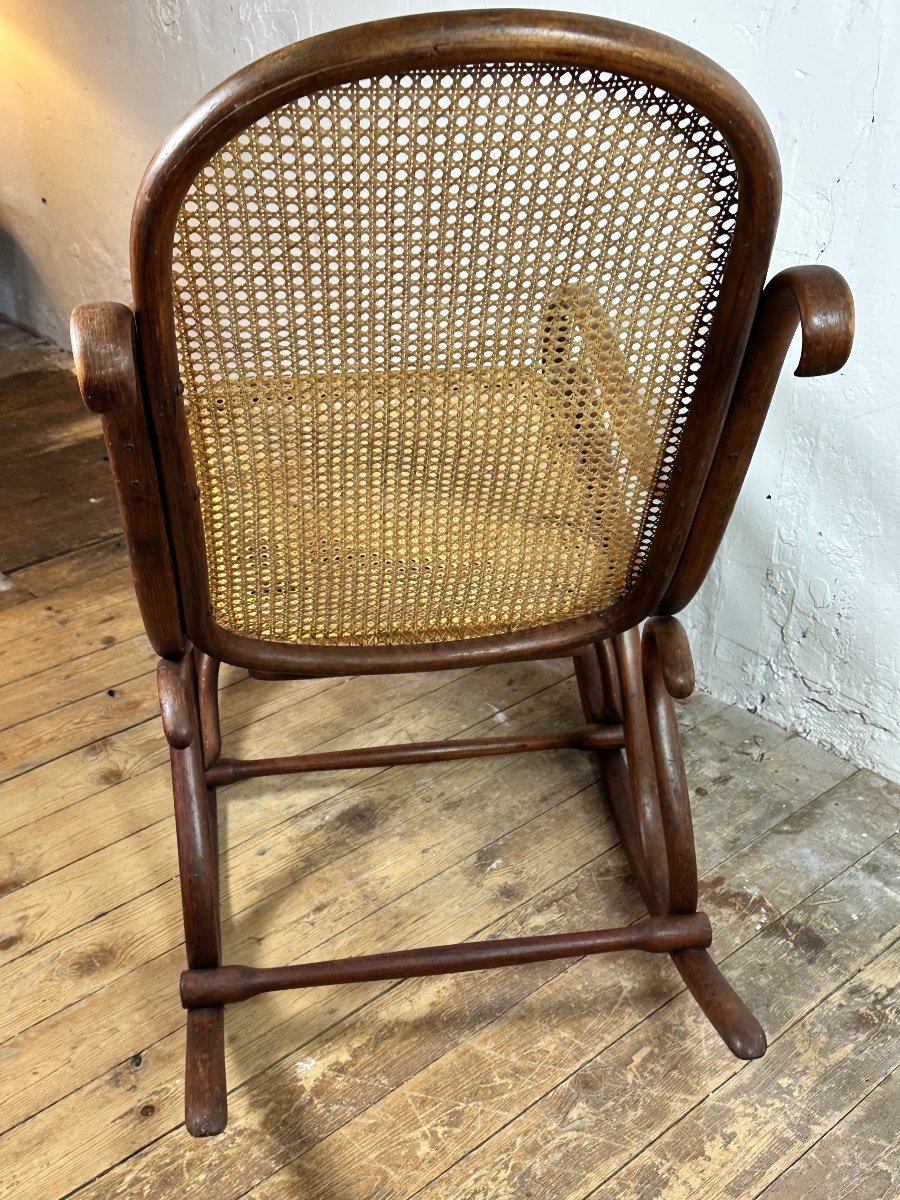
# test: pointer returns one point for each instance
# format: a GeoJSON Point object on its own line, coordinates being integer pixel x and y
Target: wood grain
{"type": "Point", "coordinates": [859, 1156]}
{"type": "Point", "coordinates": [71, 908]}
{"type": "Point", "coordinates": [522, 860]}
{"type": "Point", "coordinates": [555, 1145]}
{"type": "Point", "coordinates": [476, 1087]}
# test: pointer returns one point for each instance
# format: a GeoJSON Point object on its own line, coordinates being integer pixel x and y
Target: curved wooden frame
{"type": "Point", "coordinates": [434, 41]}
{"type": "Point", "coordinates": [127, 371]}
{"type": "Point", "coordinates": [818, 301]}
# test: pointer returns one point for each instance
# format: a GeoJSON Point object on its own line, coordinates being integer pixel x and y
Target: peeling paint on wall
{"type": "Point", "coordinates": [799, 616]}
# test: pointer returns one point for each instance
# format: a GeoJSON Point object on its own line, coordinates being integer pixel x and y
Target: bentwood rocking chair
{"type": "Point", "coordinates": [449, 346]}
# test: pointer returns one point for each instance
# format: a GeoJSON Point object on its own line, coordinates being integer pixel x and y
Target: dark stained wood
{"type": "Point", "coordinates": [208, 689]}
{"type": "Point", "coordinates": [272, 659]}
{"type": "Point", "coordinates": [646, 827]}
{"type": "Point", "coordinates": [590, 685]}
{"type": "Point", "coordinates": [176, 710]}
{"type": "Point", "coordinates": [229, 984]}
{"type": "Point", "coordinates": [668, 671]}
{"type": "Point", "coordinates": [128, 372]}
{"type": "Point", "coordinates": [586, 737]}
{"type": "Point", "coordinates": [611, 707]}
{"type": "Point", "coordinates": [818, 300]}
{"type": "Point", "coordinates": [196, 855]}
{"type": "Point", "coordinates": [727, 1013]}
{"type": "Point", "coordinates": [648, 793]}
{"type": "Point", "coordinates": [672, 652]}
{"type": "Point", "coordinates": [274, 676]}
{"type": "Point", "coordinates": [595, 685]}
{"type": "Point", "coordinates": [103, 345]}
{"type": "Point", "coordinates": [206, 1095]}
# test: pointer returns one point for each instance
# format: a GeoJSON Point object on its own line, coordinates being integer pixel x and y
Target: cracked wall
{"type": "Point", "coordinates": [798, 618]}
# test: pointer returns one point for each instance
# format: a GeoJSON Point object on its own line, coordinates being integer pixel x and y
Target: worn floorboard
{"type": "Point", "coordinates": [558, 1081]}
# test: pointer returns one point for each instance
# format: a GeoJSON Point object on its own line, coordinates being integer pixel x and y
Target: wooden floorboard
{"type": "Point", "coordinates": [558, 1081]}
{"type": "Point", "coordinates": [858, 1157]}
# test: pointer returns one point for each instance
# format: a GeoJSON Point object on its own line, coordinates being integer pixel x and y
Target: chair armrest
{"type": "Point", "coordinates": [599, 367]}
{"type": "Point", "coordinates": [103, 341]}
{"type": "Point", "coordinates": [819, 301]}
{"type": "Point", "coordinates": [573, 307]}
{"type": "Point", "coordinates": [103, 345]}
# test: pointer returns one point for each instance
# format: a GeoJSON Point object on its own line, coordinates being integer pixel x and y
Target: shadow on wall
{"type": "Point", "coordinates": [24, 298]}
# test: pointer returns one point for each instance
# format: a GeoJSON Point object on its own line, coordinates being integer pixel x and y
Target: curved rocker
{"type": "Point", "coordinates": [647, 791]}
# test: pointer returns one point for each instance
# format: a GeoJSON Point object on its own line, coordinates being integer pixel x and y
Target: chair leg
{"type": "Point", "coordinates": [205, 1085]}
{"type": "Point", "coordinates": [207, 669]}
{"type": "Point", "coordinates": [205, 1088]}
{"type": "Point", "coordinates": [628, 682]}
{"type": "Point", "coordinates": [597, 674]}
{"type": "Point", "coordinates": [212, 810]}
{"type": "Point", "coordinates": [208, 706]}
{"type": "Point", "coordinates": [724, 1009]}
{"type": "Point", "coordinates": [634, 679]}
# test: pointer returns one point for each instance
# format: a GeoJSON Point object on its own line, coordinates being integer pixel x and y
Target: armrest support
{"type": "Point", "coordinates": [573, 308]}
{"type": "Point", "coordinates": [819, 301]}
{"type": "Point", "coordinates": [580, 353]}
{"type": "Point", "coordinates": [103, 340]}
{"type": "Point", "coordinates": [103, 345]}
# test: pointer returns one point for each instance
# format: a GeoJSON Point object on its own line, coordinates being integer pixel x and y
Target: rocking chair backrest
{"type": "Point", "coordinates": [439, 319]}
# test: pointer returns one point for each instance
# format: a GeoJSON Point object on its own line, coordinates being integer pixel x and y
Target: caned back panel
{"type": "Point", "coordinates": [439, 333]}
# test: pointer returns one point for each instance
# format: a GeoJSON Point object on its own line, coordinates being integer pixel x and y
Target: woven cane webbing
{"type": "Point", "coordinates": [438, 333]}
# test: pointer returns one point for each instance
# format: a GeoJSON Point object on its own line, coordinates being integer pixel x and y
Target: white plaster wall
{"type": "Point", "coordinates": [799, 617]}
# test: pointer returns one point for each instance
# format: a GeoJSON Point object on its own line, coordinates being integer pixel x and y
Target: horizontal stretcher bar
{"type": "Point", "coordinates": [582, 737]}
{"type": "Point", "coordinates": [228, 984]}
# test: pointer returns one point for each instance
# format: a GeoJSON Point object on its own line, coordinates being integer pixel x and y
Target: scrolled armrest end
{"type": "Point", "coordinates": [103, 346]}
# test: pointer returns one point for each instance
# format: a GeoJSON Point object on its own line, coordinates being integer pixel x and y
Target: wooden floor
{"type": "Point", "coordinates": [596, 1077]}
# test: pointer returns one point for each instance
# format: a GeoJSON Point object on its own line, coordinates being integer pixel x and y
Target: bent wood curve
{"type": "Point", "coordinates": [818, 300]}
{"type": "Point", "coordinates": [430, 41]}
{"type": "Point", "coordinates": [669, 671]}
{"type": "Point", "coordinates": [650, 848]}
{"type": "Point", "coordinates": [103, 343]}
